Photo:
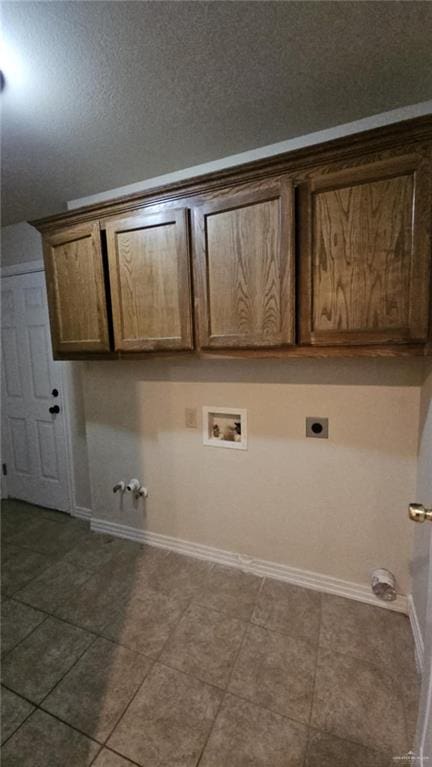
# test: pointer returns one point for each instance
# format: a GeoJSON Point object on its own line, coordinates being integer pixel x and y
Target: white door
{"type": "Point", "coordinates": [34, 438]}
{"type": "Point", "coordinates": [423, 576]}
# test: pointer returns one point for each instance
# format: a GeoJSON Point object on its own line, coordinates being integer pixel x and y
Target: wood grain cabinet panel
{"type": "Point", "coordinates": [244, 267]}
{"type": "Point", "coordinates": [76, 290]}
{"type": "Point", "coordinates": [149, 270]}
{"type": "Point", "coordinates": [365, 255]}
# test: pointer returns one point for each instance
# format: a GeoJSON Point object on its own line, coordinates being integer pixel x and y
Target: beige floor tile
{"type": "Point", "coordinates": [168, 721]}
{"type": "Point", "coordinates": [51, 537]}
{"type": "Point", "coordinates": [230, 591]}
{"type": "Point", "coordinates": [102, 599]}
{"type": "Point", "coordinates": [141, 558]}
{"type": "Point", "coordinates": [410, 684]}
{"type": "Point", "coordinates": [43, 741]}
{"type": "Point", "coordinates": [33, 667]}
{"type": "Point", "coordinates": [327, 751]}
{"type": "Point", "coordinates": [146, 622]}
{"type": "Point", "coordinates": [95, 692]}
{"type": "Point", "coordinates": [17, 621]}
{"type": "Point", "coordinates": [8, 551]}
{"type": "Point", "coordinates": [289, 609]}
{"type": "Point", "coordinates": [136, 566]}
{"type": "Point", "coordinates": [17, 516]}
{"type": "Point", "coordinates": [108, 758]}
{"type": "Point", "coordinates": [96, 550]}
{"type": "Point", "coordinates": [356, 701]}
{"type": "Point", "coordinates": [14, 711]}
{"type": "Point", "coordinates": [138, 596]}
{"type": "Point", "coordinates": [23, 567]}
{"type": "Point", "coordinates": [13, 508]}
{"type": "Point", "coordinates": [180, 576]}
{"type": "Point", "coordinates": [53, 587]}
{"type": "Point", "coordinates": [372, 633]}
{"type": "Point", "coordinates": [245, 735]}
{"type": "Point", "coordinates": [205, 644]}
{"type": "Point", "coordinates": [276, 671]}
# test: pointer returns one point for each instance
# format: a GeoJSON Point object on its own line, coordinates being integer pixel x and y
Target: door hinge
{"type": "Point", "coordinates": [4, 469]}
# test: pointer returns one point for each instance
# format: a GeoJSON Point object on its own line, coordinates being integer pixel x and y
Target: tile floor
{"type": "Point", "coordinates": [116, 654]}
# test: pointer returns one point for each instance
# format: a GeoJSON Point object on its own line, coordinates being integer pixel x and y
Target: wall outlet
{"type": "Point", "coordinates": [191, 418]}
{"type": "Point", "coordinates": [317, 427]}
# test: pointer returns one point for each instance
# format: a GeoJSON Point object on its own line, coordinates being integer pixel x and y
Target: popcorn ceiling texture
{"type": "Point", "coordinates": [113, 93]}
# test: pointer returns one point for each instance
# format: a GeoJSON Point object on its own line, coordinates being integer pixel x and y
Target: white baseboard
{"type": "Point", "coordinates": [417, 634]}
{"type": "Point", "coordinates": [261, 567]}
{"type": "Point", "coordinates": [81, 512]}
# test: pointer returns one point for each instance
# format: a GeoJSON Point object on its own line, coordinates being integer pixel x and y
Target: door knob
{"type": "Point", "coordinates": [419, 513]}
{"type": "Point", "coordinates": [54, 409]}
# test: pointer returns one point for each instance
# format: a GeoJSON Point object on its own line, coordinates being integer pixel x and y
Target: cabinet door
{"type": "Point", "coordinates": [76, 290]}
{"type": "Point", "coordinates": [149, 270]}
{"type": "Point", "coordinates": [244, 267]}
{"type": "Point", "coordinates": [365, 254]}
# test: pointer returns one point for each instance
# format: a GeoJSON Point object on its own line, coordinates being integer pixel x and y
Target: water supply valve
{"type": "Point", "coordinates": [134, 486]}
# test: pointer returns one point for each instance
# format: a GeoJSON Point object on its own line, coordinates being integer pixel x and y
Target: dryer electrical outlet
{"type": "Point", "coordinates": [317, 427]}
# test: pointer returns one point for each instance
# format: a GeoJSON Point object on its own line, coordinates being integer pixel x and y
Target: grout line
{"type": "Point", "coordinates": [225, 692]}
{"type": "Point", "coordinates": [265, 708]}
{"type": "Point", "coordinates": [117, 753]}
{"type": "Point", "coordinates": [25, 718]}
{"type": "Point", "coordinates": [174, 629]}
{"type": "Point", "coordinates": [387, 754]}
{"type": "Point", "coordinates": [54, 560]}
{"type": "Point", "coordinates": [317, 650]}
{"type": "Point", "coordinates": [306, 753]}
{"type": "Point", "coordinates": [8, 652]}
{"type": "Point", "coordinates": [38, 707]}
{"type": "Point", "coordinates": [23, 601]}
{"type": "Point", "coordinates": [68, 724]}
{"type": "Point", "coordinates": [122, 715]}
{"type": "Point", "coordinates": [154, 660]}
{"type": "Point", "coordinates": [56, 618]}
{"type": "Point", "coordinates": [76, 661]}
{"type": "Point", "coordinates": [221, 702]}
{"type": "Point", "coordinates": [20, 695]}
{"type": "Point", "coordinates": [96, 756]}
{"type": "Point", "coordinates": [191, 676]}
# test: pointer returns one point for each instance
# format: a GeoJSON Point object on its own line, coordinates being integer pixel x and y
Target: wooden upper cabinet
{"type": "Point", "coordinates": [244, 266]}
{"type": "Point", "coordinates": [76, 290]}
{"type": "Point", "coordinates": [365, 254]}
{"type": "Point", "coordinates": [149, 269]}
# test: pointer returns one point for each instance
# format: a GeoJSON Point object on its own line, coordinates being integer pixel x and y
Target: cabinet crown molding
{"type": "Point", "coordinates": [397, 135]}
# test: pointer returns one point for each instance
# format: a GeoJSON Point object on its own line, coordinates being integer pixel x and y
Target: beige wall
{"type": "Point", "coordinates": [336, 507]}
{"type": "Point", "coordinates": [20, 243]}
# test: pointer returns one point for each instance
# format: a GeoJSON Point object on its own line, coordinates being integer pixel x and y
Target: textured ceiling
{"type": "Point", "coordinates": [107, 94]}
